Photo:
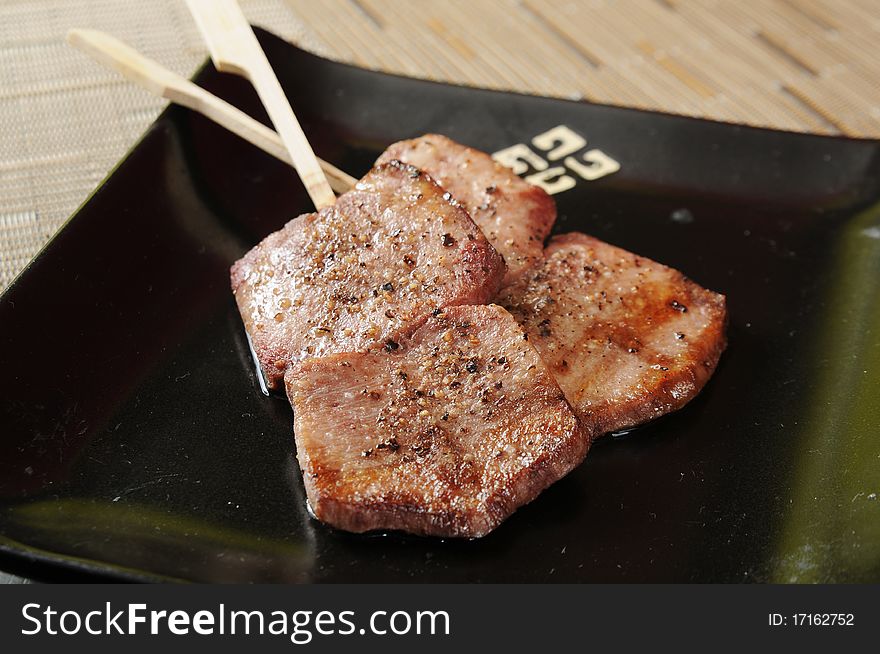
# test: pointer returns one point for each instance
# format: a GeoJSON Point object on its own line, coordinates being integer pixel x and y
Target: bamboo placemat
{"type": "Point", "coordinates": [804, 65]}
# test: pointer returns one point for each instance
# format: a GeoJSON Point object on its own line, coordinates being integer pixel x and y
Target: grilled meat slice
{"type": "Point", "coordinates": [626, 338]}
{"type": "Point", "coordinates": [365, 271]}
{"type": "Point", "coordinates": [445, 434]}
{"type": "Point", "coordinates": [514, 215]}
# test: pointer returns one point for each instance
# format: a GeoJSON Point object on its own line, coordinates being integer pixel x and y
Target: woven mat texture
{"type": "Point", "coordinates": [803, 65]}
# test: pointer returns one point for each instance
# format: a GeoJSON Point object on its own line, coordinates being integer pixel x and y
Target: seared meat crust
{"type": "Point", "coordinates": [445, 434]}
{"type": "Point", "coordinates": [514, 215]}
{"type": "Point", "coordinates": [626, 338]}
{"type": "Point", "coordinates": [368, 269]}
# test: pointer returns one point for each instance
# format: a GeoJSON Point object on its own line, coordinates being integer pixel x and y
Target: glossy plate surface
{"type": "Point", "coordinates": [135, 441]}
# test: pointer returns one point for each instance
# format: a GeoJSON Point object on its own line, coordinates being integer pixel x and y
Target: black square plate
{"type": "Point", "coordinates": [135, 441]}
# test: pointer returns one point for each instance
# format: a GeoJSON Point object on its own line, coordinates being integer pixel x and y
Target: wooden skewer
{"type": "Point", "coordinates": [160, 81]}
{"type": "Point", "coordinates": [235, 49]}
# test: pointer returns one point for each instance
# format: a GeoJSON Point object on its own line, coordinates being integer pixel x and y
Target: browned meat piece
{"type": "Point", "coordinates": [367, 270]}
{"type": "Point", "coordinates": [445, 434]}
{"type": "Point", "coordinates": [626, 338]}
{"type": "Point", "coordinates": [515, 216]}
